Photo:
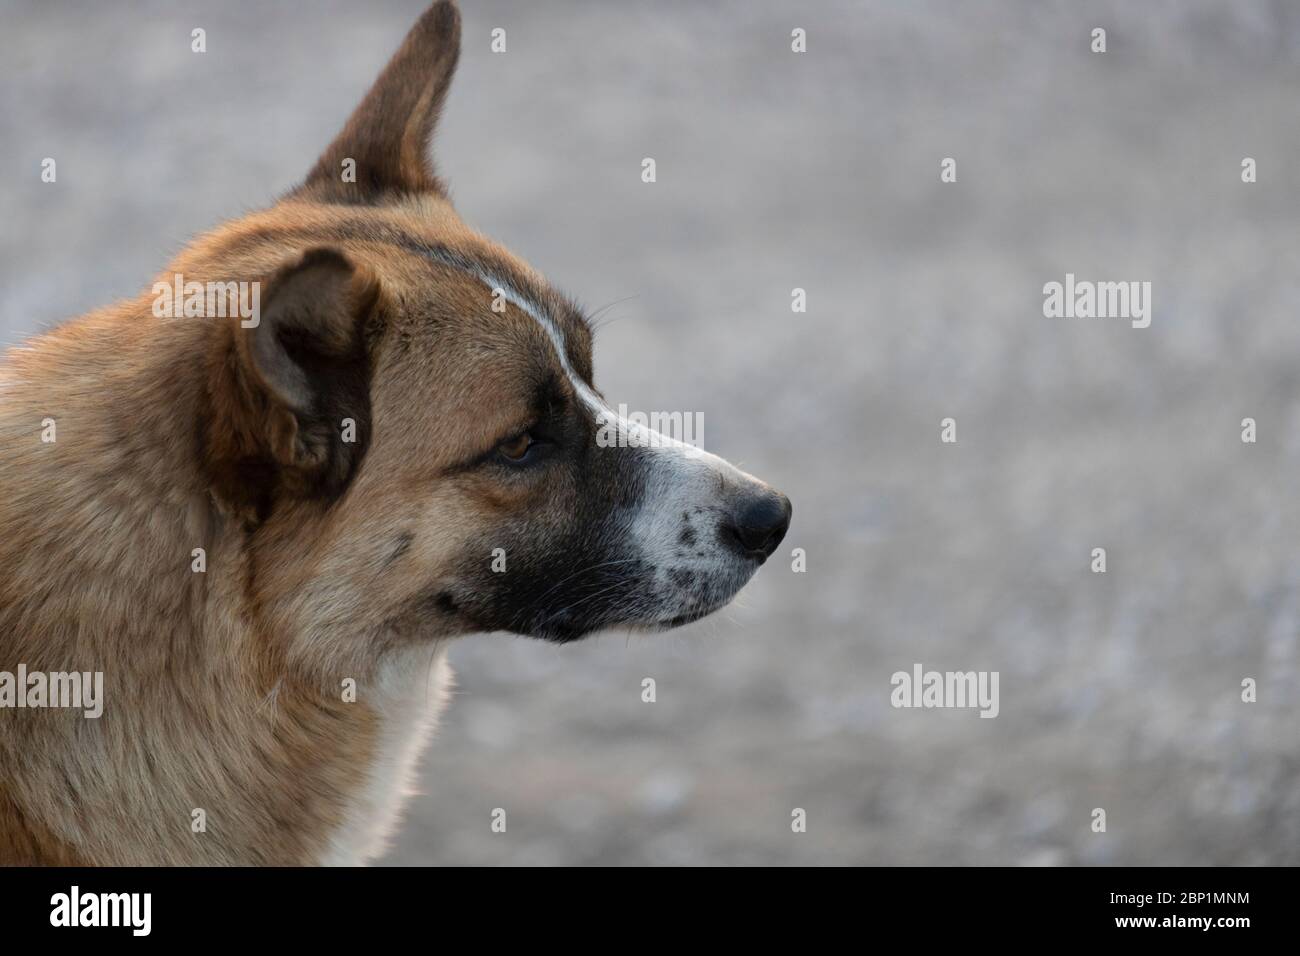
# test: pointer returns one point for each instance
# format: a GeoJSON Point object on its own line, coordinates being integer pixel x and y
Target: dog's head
{"type": "Point", "coordinates": [412, 432]}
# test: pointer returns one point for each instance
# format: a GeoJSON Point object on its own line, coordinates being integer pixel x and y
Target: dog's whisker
{"type": "Point", "coordinates": [593, 317]}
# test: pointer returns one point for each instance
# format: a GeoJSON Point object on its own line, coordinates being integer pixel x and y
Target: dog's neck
{"type": "Point", "coordinates": [100, 486]}
{"type": "Point", "coordinates": [100, 530]}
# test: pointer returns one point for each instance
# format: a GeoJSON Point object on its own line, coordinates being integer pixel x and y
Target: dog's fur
{"type": "Point", "coordinates": [326, 560]}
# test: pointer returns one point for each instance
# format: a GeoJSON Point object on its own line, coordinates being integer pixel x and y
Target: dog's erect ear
{"type": "Point", "coordinates": [385, 144]}
{"type": "Point", "coordinates": [290, 397]}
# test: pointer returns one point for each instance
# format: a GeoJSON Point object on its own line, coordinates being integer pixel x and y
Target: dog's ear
{"type": "Point", "coordinates": [385, 144]}
{"type": "Point", "coordinates": [289, 410]}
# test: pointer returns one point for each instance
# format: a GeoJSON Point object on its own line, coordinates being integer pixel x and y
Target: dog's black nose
{"type": "Point", "coordinates": [758, 523]}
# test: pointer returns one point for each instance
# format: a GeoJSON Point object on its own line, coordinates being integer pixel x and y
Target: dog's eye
{"type": "Point", "coordinates": [516, 449]}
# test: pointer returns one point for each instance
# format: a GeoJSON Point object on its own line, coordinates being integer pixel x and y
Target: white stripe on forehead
{"type": "Point", "coordinates": [512, 295]}
{"type": "Point", "coordinates": [603, 413]}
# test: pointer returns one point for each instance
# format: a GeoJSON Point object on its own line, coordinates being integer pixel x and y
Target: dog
{"type": "Point", "coordinates": [263, 527]}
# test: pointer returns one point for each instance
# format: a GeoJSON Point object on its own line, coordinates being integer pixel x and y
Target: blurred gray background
{"type": "Point", "coordinates": [820, 171]}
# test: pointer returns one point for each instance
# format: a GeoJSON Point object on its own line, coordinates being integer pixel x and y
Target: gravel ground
{"type": "Point", "coordinates": [1118, 690]}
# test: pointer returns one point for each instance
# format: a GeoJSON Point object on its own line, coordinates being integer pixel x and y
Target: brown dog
{"type": "Point", "coordinates": [263, 526]}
